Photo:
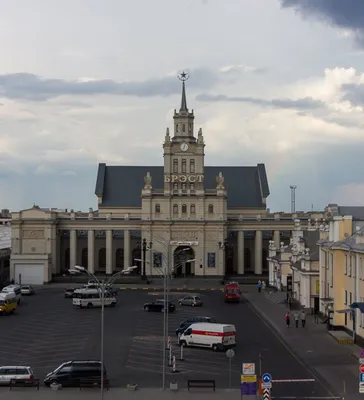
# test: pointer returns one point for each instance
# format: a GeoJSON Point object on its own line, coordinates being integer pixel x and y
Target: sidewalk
{"type": "Point", "coordinates": [117, 394]}
{"type": "Point", "coordinates": [313, 345]}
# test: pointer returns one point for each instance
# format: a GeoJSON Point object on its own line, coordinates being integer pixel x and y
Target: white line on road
{"type": "Point", "coordinates": [292, 380]}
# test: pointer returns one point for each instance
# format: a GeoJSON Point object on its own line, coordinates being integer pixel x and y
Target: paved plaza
{"type": "Point", "coordinates": [48, 330]}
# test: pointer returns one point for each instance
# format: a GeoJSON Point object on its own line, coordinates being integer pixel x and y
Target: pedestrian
{"type": "Point", "coordinates": [296, 317]}
{"type": "Point", "coordinates": [259, 286]}
{"type": "Point", "coordinates": [288, 319]}
{"type": "Point", "coordinates": [303, 318]}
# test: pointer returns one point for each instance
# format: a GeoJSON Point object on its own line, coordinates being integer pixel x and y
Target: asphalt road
{"type": "Point", "coordinates": [47, 331]}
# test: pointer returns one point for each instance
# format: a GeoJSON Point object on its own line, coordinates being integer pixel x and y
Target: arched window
{"type": "Point", "coordinates": [211, 209]}
{"type": "Point", "coordinates": [175, 186]}
{"type": "Point", "coordinates": [175, 209]}
{"type": "Point", "coordinates": [192, 166]}
{"type": "Point", "coordinates": [192, 186]}
{"type": "Point", "coordinates": [183, 127]}
{"type": "Point", "coordinates": [157, 208]}
{"type": "Point", "coordinates": [184, 209]}
{"type": "Point", "coordinates": [175, 165]}
{"type": "Point", "coordinates": [176, 127]}
{"type": "Point", "coordinates": [193, 209]}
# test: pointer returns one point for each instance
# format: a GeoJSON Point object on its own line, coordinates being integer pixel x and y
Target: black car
{"type": "Point", "coordinates": [68, 293]}
{"type": "Point", "coordinates": [70, 373]}
{"type": "Point", "coordinates": [185, 324]}
{"type": "Point", "coordinates": [159, 306]}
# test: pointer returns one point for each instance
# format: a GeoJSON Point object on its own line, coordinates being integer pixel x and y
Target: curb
{"type": "Point", "coordinates": [313, 371]}
{"type": "Point", "coordinates": [173, 289]}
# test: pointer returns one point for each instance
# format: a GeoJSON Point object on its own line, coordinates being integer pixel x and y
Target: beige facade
{"type": "Point", "coordinates": [194, 219]}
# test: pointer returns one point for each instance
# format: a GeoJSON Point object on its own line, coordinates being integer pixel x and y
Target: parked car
{"type": "Point", "coordinates": [188, 322]}
{"type": "Point", "coordinates": [159, 305]}
{"type": "Point", "coordinates": [15, 372]}
{"type": "Point", "coordinates": [68, 293]}
{"type": "Point", "coordinates": [70, 373]}
{"type": "Point", "coordinates": [193, 301]}
{"type": "Point", "coordinates": [26, 290]}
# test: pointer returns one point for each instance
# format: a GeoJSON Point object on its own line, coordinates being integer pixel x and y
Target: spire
{"type": "Point", "coordinates": [183, 76]}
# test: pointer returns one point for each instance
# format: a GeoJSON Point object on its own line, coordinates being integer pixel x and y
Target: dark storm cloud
{"type": "Point", "coordinates": [306, 103]}
{"type": "Point", "coordinates": [32, 87]}
{"type": "Point", "coordinates": [345, 14]}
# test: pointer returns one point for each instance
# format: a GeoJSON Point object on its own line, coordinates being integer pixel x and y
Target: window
{"type": "Point", "coordinates": [354, 266]}
{"type": "Point", "coordinates": [193, 209]}
{"type": "Point", "coordinates": [176, 128]}
{"type": "Point", "coordinates": [192, 186]}
{"type": "Point", "coordinates": [346, 265]}
{"type": "Point", "coordinates": [183, 127]}
{"type": "Point", "coordinates": [189, 127]}
{"type": "Point", "coordinates": [157, 208]}
{"type": "Point", "coordinates": [175, 209]}
{"type": "Point", "coordinates": [331, 266]}
{"type": "Point", "coordinates": [345, 297]}
{"type": "Point", "coordinates": [184, 165]}
{"type": "Point", "coordinates": [184, 186]}
{"type": "Point", "coordinates": [175, 165]}
{"type": "Point", "coordinates": [350, 260]}
{"type": "Point", "coordinates": [351, 297]}
{"type": "Point", "coordinates": [175, 186]}
{"type": "Point", "coordinates": [192, 166]}
{"type": "Point", "coordinates": [184, 209]}
{"type": "Point", "coordinates": [211, 209]}
{"type": "Point", "coordinates": [211, 260]}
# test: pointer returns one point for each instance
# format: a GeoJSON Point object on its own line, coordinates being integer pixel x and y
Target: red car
{"type": "Point", "coordinates": [232, 292]}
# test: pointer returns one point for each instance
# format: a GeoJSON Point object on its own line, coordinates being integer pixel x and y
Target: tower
{"type": "Point", "coordinates": [183, 153]}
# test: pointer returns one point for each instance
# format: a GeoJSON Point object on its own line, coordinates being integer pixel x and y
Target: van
{"type": "Point", "coordinates": [13, 289]}
{"type": "Point", "coordinates": [70, 373]}
{"type": "Point", "coordinates": [215, 336]}
{"type": "Point", "coordinates": [232, 292]}
{"type": "Point", "coordinates": [8, 303]}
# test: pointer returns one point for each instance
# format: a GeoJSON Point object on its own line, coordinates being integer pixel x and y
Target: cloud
{"type": "Point", "coordinates": [354, 93]}
{"type": "Point", "coordinates": [306, 103]}
{"type": "Point", "coordinates": [32, 87]}
{"type": "Point", "coordinates": [347, 15]}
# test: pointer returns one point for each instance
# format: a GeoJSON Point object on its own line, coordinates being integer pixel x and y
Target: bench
{"type": "Point", "coordinates": [206, 384]}
{"type": "Point", "coordinates": [93, 383]}
{"type": "Point", "coordinates": [24, 383]}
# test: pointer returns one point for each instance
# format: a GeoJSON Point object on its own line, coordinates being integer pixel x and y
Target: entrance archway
{"type": "Point", "coordinates": [184, 261]}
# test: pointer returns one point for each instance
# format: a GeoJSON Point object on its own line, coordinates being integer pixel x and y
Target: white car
{"type": "Point", "coordinates": [7, 373]}
{"type": "Point", "coordinates": [27, 290]}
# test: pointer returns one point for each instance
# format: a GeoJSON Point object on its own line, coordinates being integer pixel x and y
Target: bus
{"type": "Point", "coordinates": [16, 289]}
{"type": "Point", "coordinates": [91, 298]}
{"type": "Point", "coordinates": [8, 303]}
{"type": "Point", "coordinates": [232, 292]}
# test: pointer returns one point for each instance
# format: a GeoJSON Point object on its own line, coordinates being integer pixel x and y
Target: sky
{"type": "Point", "coordinates": [279, 82]}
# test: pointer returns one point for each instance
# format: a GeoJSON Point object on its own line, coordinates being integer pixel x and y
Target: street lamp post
{"type": "Point", "coordinates": [145, 247]}
{"type": "Point", "coordinates": [101, 291]}
{"type": "Point", "coordinates": [224, 247]}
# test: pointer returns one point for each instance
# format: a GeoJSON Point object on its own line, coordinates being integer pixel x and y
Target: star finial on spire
{"type": "Point", "coordinates": [183, 77]}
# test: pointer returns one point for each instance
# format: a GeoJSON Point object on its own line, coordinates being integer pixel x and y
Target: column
{"type": "Point", "coordinates": [73, 248]}
{"type": "Point", "coordinates": [240, 252]}
{"type": "Point", "coordinates": [258, 252]}
{"type": "Point", "coordinates": [91, 251]}
{"type": "Point", "coordinates": [109, 266]}
{"type": "Point", "coordinates": [1, 266]}
{"type": "Point", "coordinates": [127, 260]}
{"type": "Point", "coordinates": [277, 239]}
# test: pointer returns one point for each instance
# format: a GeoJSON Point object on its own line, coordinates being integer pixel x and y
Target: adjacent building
{"type": "Point", "coordinates": [341, 260]}
{"type": "Point", "coordinates": [198, 220]}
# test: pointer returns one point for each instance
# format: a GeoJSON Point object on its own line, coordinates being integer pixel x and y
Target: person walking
{"type": "Point", "coordinates": [296, 317]}
{"type": "Point", "coordinates": [303, 318]}
{"type": "Point", "coordinates": [288, 319]}
{"type": "Point", "coordinates": [259, 286]}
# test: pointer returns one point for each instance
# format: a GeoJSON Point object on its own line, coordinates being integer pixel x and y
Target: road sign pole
{"type": "Point", "coordinates": [229, 373]}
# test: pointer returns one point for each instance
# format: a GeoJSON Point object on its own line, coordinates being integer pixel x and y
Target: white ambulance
{"type": "Point", "coordinates": [215, 336]}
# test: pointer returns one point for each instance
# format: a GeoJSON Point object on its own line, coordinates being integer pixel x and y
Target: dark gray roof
{"type": "Point", "coordinates": [357, 212]}
{"type": "Point", "coordinates": [311, 238]}
{"type": "Point", "coordinates": [121, 186]}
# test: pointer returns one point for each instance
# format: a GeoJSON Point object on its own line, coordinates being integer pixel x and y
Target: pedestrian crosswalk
{"type": "Point", "coordinates": [276, 296]}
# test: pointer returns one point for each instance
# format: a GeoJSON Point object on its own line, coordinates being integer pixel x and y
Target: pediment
{"type": "Point", "coordinates": [35, 213]}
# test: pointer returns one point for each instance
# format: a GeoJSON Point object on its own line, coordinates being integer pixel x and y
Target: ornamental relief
{"type": "Point", "coordinates": [33, 234]}
{"type": "Point", "coordinates": [185, 235]}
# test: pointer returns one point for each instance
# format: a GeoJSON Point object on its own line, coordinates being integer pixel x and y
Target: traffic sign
{"type": "Point", "coordinates": [361, 360]}
{"type": "Point", "coordinates": [266, 394]}
{"type": "Point", "coordinates": [267, 385]}
{"type": "Point", "coordinates": [361, 353]}
{"type": "Point", "coordinates": [361, 367]}
{"type": "Point", "coordinates": [231, 353]}
{"type": "Point", "coordinates": [248, 369]}
{"type": "Point", "coordinates": [266, 378]}
{"type": "Point", "coordinates": [361, 377]}
{"type": "Point", "coordinates": [361, 389]}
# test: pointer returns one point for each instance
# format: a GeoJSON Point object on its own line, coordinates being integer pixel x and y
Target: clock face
{"type": "Point", "coordinates": [184, 146]}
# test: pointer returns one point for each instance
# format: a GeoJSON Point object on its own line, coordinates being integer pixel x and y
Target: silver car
{"type": "Point", "coordinates": [193, 301]}
{"type": "Point", "coordinates": [7, 373]}
{"type": "Point", "coordinates": [26, 290]}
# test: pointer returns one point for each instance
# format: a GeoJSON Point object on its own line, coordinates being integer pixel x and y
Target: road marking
{"type": "Point", "coordinates": [292, 380]}
{"type": "Point", "coordinates": [311, 398]}
{"type": "Point", "coordinates": [277, 335]}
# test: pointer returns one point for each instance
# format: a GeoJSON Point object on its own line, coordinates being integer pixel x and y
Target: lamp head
{"type": "Point", "coordinates": [79, 268]}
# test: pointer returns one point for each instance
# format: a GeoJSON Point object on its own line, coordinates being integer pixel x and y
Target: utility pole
{"type": "Point", "coordinates": [293, 198]}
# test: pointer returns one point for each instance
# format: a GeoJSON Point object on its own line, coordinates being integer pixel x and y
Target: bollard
{"type": "Point", "coordinates": [181, 356]}
{"type": "Point", "coordinates": [170, 356]}
{"type": "Point", "coordinates": [174, 364]}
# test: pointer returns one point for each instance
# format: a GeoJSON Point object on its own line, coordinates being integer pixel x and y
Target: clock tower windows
{"type": "Point", "coordinates": [184, 162]}
{"type": "Point", "coordinates": [175, 209]}
{"type": "Point", "coordinates": [192, 166]}
{"type": "Point", "coordinates": [183, 127]}
{"type": "Point", "coordinates": [175, 165]}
